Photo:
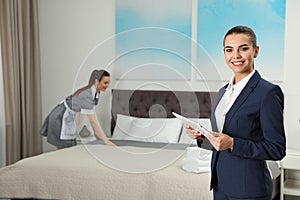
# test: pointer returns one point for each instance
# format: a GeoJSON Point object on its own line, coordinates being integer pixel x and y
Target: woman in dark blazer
{"type": "Point", "coordinates": [247, 120]}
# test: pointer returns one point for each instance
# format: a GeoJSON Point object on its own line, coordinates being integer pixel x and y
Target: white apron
{"type": "Point", "coordinates": [68, 128]}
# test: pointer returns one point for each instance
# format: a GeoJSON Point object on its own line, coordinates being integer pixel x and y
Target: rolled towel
{"type": "Point", "coordinates": [197, 160]}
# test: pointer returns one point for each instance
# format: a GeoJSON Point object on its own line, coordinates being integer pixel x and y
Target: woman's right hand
{"type": "Point", "coordinates": [194, 134]}
{"type": "Point", "coordinates": [110, 143]}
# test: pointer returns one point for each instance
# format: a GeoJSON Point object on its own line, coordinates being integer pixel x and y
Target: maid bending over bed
{"type": "Point", "coordinates": [60, 127]}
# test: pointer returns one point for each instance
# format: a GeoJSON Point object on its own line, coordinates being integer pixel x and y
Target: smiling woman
{"type": "Point", "coordinates": [247, 124]}
{"type": "Point", "coordinates": [60, 125]}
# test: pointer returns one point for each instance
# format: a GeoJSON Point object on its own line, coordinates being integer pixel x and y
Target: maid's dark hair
{"type": "Point", "coordinates": [95, 75]}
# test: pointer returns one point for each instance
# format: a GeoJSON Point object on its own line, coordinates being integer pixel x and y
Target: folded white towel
{"type": "Point", "coordinates": [197, 160]}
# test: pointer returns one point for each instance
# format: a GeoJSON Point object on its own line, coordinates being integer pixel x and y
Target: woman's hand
{"type": "Point", "coordinates": [110, 143]}
{"type": "Point", "coordinates": [220, 141]}
{"type": "Point", "coordinates": [194, 134]}
{"type": "Point", "coordinates": [98, 130]}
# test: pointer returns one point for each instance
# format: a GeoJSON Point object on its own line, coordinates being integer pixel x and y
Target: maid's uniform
{"type": "Point", "coordinates": [59, 126]}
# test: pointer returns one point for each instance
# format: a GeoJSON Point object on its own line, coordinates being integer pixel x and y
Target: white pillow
{"type": "Point", "coordinates": [185, 139]}
{"type": "Point", "coordinates": [122, 127]}
{"type": "Point", "coordinates": [164, 130]}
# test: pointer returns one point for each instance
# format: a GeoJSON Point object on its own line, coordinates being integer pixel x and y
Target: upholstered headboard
{"type": "Point", "coordinates": [154, 104]}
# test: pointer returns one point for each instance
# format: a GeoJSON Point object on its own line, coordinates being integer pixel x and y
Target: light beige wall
{"type": "Point", "coordinates": [70, 29]}
{"type": "Point", "coordinates": [291, 80]}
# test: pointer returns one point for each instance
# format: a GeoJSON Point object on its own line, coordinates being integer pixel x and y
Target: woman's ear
{"type": "Point", "coordinates": [96, 82]}
{"type": "Point", "coordinates": [256, 51]}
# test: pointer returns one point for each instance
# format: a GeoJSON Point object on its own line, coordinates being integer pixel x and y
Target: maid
{"type": "Point", "coordinates": [60, 127]}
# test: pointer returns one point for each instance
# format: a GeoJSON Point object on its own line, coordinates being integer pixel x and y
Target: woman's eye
{"type": "Point", "coordinates": [244, 49]}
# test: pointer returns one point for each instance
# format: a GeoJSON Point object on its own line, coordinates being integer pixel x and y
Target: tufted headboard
{"type": "Point", "coordinates": [154, 103]}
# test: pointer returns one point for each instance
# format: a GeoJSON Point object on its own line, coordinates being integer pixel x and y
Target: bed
{"type": "Point", "coordinates": [154, 158]}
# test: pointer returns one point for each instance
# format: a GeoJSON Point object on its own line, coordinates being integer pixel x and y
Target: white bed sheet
{"type": "Point", "coordinates": [102, 172]}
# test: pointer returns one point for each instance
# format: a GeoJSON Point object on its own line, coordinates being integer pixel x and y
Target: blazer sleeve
{"type": "Point", "coordinates": [273, 144]}
{"type": "Point", "coordinates": [204, 144]}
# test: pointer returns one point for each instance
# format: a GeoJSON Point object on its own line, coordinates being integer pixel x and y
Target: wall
{"type": "Point", "coordinates": [71, 29]}
{"type": "Point", "coordinates": [291, 80]}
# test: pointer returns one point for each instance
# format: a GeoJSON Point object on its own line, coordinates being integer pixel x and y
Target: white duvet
{"type": "Point", "coordinates": [104, 172]}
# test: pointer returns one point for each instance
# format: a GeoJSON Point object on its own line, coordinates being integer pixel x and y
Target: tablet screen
{"type": "Point", "coordinates": [193, 124]}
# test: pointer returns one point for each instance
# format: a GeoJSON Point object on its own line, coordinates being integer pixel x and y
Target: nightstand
{"type": "Point", "coordinates": [290, 176]}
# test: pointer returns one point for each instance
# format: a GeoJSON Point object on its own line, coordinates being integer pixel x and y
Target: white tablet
{"type": "Point", "coordinates": [193, 124]}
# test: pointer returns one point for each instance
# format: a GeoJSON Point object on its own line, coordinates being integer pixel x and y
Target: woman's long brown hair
{"type": "Point", "coordinates": [96, 74]}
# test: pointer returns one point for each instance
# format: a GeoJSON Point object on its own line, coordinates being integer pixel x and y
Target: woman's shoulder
{"type": "Point", "coordinates": [86, 99]}
{"type": "Point", "coordinates": [86, 93]}
{"type": "Point", "coordinates": [268, 85]}
{"type": "Point", "coordinates": [269, 90]}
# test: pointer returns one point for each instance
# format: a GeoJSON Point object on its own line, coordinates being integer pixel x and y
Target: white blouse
{"type": "Point", "coordinates": [231, 94]}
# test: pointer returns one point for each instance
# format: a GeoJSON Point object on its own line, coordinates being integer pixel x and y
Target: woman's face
{"type": "Point", "coordinates": [240, 54]}
{"type": "Point", "coordinates": [103, 84]}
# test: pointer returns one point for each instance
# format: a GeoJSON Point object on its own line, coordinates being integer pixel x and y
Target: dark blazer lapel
{"type": "Point", "coordinates": [241, 98]}
{"type": "Point", "coordinates": [213, 116]}
{"type": "Point", "coordinates": [215, 155]}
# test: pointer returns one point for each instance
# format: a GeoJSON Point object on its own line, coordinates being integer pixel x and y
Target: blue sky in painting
{"type": "Point", "coordinates": [170, 41]}
{"type": "Point", "coordinates": [154, 13]}
{"type": "Point", "coordinates": [265, 17]}
{"type": "Point", "coordinates": [171, 45]}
